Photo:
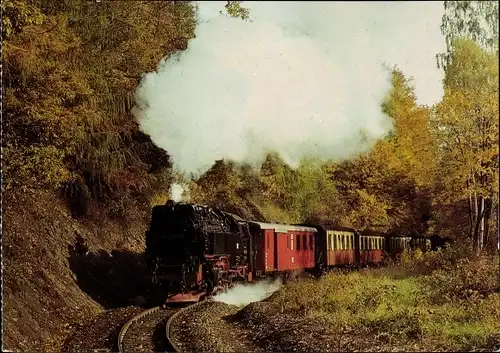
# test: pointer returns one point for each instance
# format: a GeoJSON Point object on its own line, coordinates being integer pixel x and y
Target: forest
{"type": "Point", "coordinates": [69, 79]}
{"type": "Point", "coordinates": [69, 136]}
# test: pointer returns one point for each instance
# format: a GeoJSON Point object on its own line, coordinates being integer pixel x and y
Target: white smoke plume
{"type": "Point", "coordinates": [302, 78]}
{"type": "Point", "coordinates": [179, 192]}
{"type": "Point", "coordinates": [244, 294]}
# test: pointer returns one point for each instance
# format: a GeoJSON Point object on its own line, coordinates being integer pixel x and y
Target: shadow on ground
{"type": "Point", "coordinates": [113, 279]}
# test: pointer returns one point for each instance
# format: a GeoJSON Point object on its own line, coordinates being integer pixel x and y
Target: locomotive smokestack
{"type": "Point", "coordinates": [170, 203]}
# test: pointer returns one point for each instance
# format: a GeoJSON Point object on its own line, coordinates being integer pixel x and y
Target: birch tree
{"type": "Point", "coordinates": [466, 124]}
{"type": "Point", "coordinates": [467, 118]}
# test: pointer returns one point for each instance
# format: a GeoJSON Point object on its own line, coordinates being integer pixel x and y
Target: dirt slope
{"type": "Point", "coordinates": [49, 283]}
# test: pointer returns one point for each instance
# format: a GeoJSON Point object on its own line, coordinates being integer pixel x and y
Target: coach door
{"type": "Point", "coordinates": [270, 246]}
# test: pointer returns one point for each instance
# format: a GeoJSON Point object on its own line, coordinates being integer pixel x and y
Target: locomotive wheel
{"type": "Point", "coordinates": [210, 286]}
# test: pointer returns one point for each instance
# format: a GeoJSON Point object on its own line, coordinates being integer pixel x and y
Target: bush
{"type": "Point", "coordinates": [453, 307]}
{"type": "Point", "coordinates": [469, 278]}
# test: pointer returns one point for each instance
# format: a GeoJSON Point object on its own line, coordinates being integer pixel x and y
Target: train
{"type": "Point", "coordinates": [196, 251]}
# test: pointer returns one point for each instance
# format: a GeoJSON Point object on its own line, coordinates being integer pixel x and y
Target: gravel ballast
{"type": "Point", "coordinates": [205, 328]}
{"type": "Point", "coordinates": [100, 333]}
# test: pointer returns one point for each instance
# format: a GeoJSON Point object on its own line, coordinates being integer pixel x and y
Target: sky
{"type": "Point", "coordinates": [305, 79]}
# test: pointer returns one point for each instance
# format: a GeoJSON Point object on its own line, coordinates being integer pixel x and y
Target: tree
{"type": "Point", "coordinates": [466, 126]}
{"type": "Point", "coordinates": [234, 9]}
{"type": "Point", "coordinates": [476, 20]}
{"type": "Point", "coordinates": [392, 185]}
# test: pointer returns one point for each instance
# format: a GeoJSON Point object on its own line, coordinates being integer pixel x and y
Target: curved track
{"type": "Point", "coordinates": [171, 319]}
{"type": "Point", "coordinates": [146, 331]}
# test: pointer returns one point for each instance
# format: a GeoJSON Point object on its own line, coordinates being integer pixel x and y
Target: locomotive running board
{"type": "Point", "coordinates": [190, 297]}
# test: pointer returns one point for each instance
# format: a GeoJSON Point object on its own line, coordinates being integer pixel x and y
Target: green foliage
{"type": "Point", "coordinates": [475, 20]}
{"type": "Point", "coordinates": [17, 14]}
{"type": "Point", "coordinates": [234, 9]}
{"type": "Point", "coordinates": [452, 307]}
{"type": "Point", "coordinates": [466, 124]}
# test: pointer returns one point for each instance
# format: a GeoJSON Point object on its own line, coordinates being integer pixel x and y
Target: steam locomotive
{"type": "Point", "coordinates": [197, 251]}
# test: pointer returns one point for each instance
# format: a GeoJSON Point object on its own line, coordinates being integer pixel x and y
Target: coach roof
{"type": "Point", "coordinates": [283, 228]}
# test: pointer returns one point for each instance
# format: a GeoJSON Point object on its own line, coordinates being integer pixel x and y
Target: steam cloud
{"type": "Point", "coordinates": [302, 79]}
{"type": "Point", "coordinates": [179, 193]}
{"type": "Point", "coordinates": [244, 294]}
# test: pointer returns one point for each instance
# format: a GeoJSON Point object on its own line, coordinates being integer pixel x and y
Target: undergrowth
{"type": "Point", "coordinates": [452, 304]}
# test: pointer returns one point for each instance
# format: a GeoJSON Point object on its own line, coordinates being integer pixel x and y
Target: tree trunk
{"type": "Point", "coordinates": [477, 229]}
{"type": "Point", "coordinates": [481, 225]}
{"type": "Point", "coordinates": [471, 220]}
{"type": "Point", "coordinates": [475, 224]}
{"type": "Point", "coordinates": [487, 218]}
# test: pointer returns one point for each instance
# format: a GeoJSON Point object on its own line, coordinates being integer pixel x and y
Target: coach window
{"type": "Point", "coordinates": [311, 247]}
{"type": "Point", "coordinates": [304, 241]}
{"type": "Point", "coordinates": [268, 241]}
{"type": "Point", "coordinates": [298, 241]}
{"type": "Point", "coordinates": [291, 241]}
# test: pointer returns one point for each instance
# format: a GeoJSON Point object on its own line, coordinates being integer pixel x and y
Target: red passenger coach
{"type": "Point", "coordinates": [340, 245]}
{"type": "Point", "coordinates": [280, 247]}
{"type": "Point", "coordinates": [371, 249]}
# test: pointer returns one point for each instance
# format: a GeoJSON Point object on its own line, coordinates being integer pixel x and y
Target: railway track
{"type": "Point", "coordinates": [145, 332]}
{"type": "Point", "coordinates": [149, 331]}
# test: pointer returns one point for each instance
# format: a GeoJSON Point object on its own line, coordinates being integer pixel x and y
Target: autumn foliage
{"type": "Point", "coordinates": [70, 71]}
{"type": "Point", "coordinates": [69, 75]}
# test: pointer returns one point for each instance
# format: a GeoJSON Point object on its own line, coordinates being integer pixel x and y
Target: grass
{"type": "Point", "coordinates": [452, 307]}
